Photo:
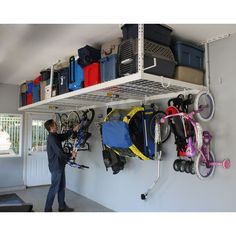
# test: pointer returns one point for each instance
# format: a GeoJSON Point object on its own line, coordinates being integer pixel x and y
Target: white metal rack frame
{"type": "Point", "coordinates": [138, 87]}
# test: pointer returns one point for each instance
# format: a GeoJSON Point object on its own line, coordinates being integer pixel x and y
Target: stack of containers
{"type": "Point", "coordinates": [108, 62]}
{"type": "Point", "coordinates": [26, 93]}
{"type": "Point", "coordinates": [45, 74]}
{"type": "Point", "coordinates": [190, 62]}
{"type": "Point", "coordinates": [157, 39]}
{"type": "Point", "coordinates": [89, 60]}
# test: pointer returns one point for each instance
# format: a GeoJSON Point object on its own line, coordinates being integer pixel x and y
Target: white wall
{"type": "Point", "coordinates": [11, 168]}
{"type": "Point", "coordinates": [175, 191]}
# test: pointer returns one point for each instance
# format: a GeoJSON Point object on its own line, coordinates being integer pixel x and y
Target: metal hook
{"type": "Point", "coordinates": [162, 83]}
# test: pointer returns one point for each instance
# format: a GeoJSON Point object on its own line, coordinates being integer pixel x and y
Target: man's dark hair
{"type": "Point", "coordinates": [48, 124]}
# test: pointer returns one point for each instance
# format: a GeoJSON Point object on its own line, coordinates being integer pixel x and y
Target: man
{"type": "Point", "coordinates": [57, 160]}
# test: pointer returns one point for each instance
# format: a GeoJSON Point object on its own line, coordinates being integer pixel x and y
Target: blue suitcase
{"type": "Point", "coordinates": [108, 68]}
{"type": "Point", "coordinates": [76, 75]}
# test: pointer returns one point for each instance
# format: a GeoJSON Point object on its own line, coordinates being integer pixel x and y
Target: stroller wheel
{"type": "Point", "coordinates": [192, 169]}
{"type": "Point", "coordinates": [176, 164]}
{"type": "Point", "coordinates": [182, 165]}
{"type": "Point", "coordinates": [187, 166]}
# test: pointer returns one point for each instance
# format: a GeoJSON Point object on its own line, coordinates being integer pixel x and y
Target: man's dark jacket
{"type": "Point", "coordinates": [56, 157]}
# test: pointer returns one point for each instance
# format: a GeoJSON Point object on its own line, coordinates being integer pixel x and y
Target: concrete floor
{"type": "Point", "coordinates": [37, 196]}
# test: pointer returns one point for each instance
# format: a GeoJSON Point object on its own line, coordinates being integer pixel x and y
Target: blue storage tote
{"type": "Point", "coordinates": [29, 86]}
{"type": "Point", "coordinates": [108, 68]}
{"type": "Point", "coordinates": [76, 75]}
{"type": "Point", "coordinates": [36, 93]}
{"type": "Point", "coordinates": [189, 55]}
{"type": "Point", "coordinates": [153, 32]}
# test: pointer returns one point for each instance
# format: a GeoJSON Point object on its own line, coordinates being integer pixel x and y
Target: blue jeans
{"type": "Point", "coordinates": [58, 184]}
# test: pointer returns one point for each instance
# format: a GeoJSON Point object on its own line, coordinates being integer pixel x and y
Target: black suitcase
{"type": "Point", "coordinates": [63, 80]}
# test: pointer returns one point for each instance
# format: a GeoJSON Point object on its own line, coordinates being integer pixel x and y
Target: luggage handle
{"type": "Point", "coordinates": [72, 71]}
{"type": "Point", "coordinates": [126, 61]}
{"type": "Point", "coordinates": [152, 66]}
{"type": "Point", "coordinates": [109, 51]}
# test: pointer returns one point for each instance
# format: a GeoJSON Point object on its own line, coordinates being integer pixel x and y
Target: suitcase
{"type": "Point", "coordinates": [88, 55]}
{"type": "Point", "coordinates": [76, 75]}
{"type": "Point", "coordinates": [29, 98]}
{"type": "Point", "coordinates": [153, 32]}
{"type": "Point", "coordinates": [108, 67]}
{"type": "Point", "coordinates": [190, 75]}
{"type": "Point", "coordinates": [63, 80]}
{"type": "Point", "coordinates": [128, 58]}
{"type": "Point", "coordinates": [36, 93]}
{"type": "Point", "coordinates": [110, 48]}
{"type": "Point", "coordinates": [92, 74]}
{"type": "Point", "coordinates": [189, 55]}
{"type": "Point", "coordinates": [23, 99]}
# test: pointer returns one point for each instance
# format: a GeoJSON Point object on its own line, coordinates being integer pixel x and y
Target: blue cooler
{"type": "Point", "coordinates": [76, 75]}
{"type": "Point", "coordinates": [189, 55]}
{"type": "Point", "coordinates": [108, 68]}
{"type": "Point", "coordinates": [36, 93]}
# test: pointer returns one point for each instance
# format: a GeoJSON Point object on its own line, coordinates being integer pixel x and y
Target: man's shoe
{"type": "Point", "coordinates": [66, 209]}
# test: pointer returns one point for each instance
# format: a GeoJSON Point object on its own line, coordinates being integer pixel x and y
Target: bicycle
{"type": "Point", "coordinates": [205, 162]}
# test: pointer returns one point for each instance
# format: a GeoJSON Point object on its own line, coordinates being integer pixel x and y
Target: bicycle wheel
{"type": "Point", "coordinates": [165, 128]}
{"type": "Point", "coordinates": [182, 165]}
{"type": "Point", "coordinates": [201, 169]}
{"type": "Point", "coordinates": [58, 121]}
{"type": "Point", "coordinates": [204, 99]}
{"type": "Point", "coordinates": [73, 119]}
{"type": "Point", "coordinates": [187, 166]}
{"type": "Point", "coordinates": [64, 122]}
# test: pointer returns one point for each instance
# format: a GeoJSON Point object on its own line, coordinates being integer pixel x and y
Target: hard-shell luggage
{"type": "Point", "coordinates": [76, 75]}
{"type": "Point", "coordinates": [63, 80]}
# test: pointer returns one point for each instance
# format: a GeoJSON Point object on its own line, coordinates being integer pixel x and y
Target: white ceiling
{"type": "Point", "coordinates": [26, 49]}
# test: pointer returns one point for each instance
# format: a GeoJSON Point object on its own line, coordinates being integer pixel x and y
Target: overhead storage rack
{"type": "Point", "coordinates": [134, 88]}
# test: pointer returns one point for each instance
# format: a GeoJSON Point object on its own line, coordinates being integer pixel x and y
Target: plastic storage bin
{"type": "Point", "coordinates": [153, 32]}
{"type": "Point", "coordinates": [92, 74]}
{"type": "Point", "coordinates": [63, 80]}
{"type": "Point", "coordinates": [110, 48]}
{"type": "Point", "coordinates": [37, 80]}
{"type": "Point", "coordinates": [108, 68]}
{"type": "Point", "coordinates": [88, 55]}
{"type": "Point", "coordinates": [76, 75]}
{"type": "Point", "coordinates": [29, 86]}
{"type": "Point", "coordinates": [36, 93]}
{"type": "Point", "coordinates": [189, 55]}
{"type": "Point", "coordinates": [190, 75]}
{"type": "Point", "coordinates": [128, 58]}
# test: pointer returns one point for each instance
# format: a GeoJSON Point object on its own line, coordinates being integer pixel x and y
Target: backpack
{"type": "Point", "coordinates": [113, 160]}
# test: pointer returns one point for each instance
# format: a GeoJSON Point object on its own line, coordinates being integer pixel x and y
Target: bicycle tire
{"type": "Point", "coordinates": [58, 122]}
{"type": "Point", "coordinates": [64, 122]}
{"type": "Point", "coordinates": [90, 119]}
{"type": "Point", "coordinates": [187, 167]}
{"type": "Point", "coordinates": [182, 165]}
{"type": "Point", "coordinates": [164, 129]}
{"type": "Point", "coordinates": [200, 164]}
{"type": "Point", "coordinates": [208, 113]}
{"type": "Point", "coordinates": [73, 119]}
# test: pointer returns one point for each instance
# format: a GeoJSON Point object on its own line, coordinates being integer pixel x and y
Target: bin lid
{"type": "Point", "coordinates": [189, 44]}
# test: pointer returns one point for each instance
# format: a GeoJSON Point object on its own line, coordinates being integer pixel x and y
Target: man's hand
{"type": "Point", "coordinates": [76, 128]}
{"type": "Point", "coordinates": [73, 155]}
